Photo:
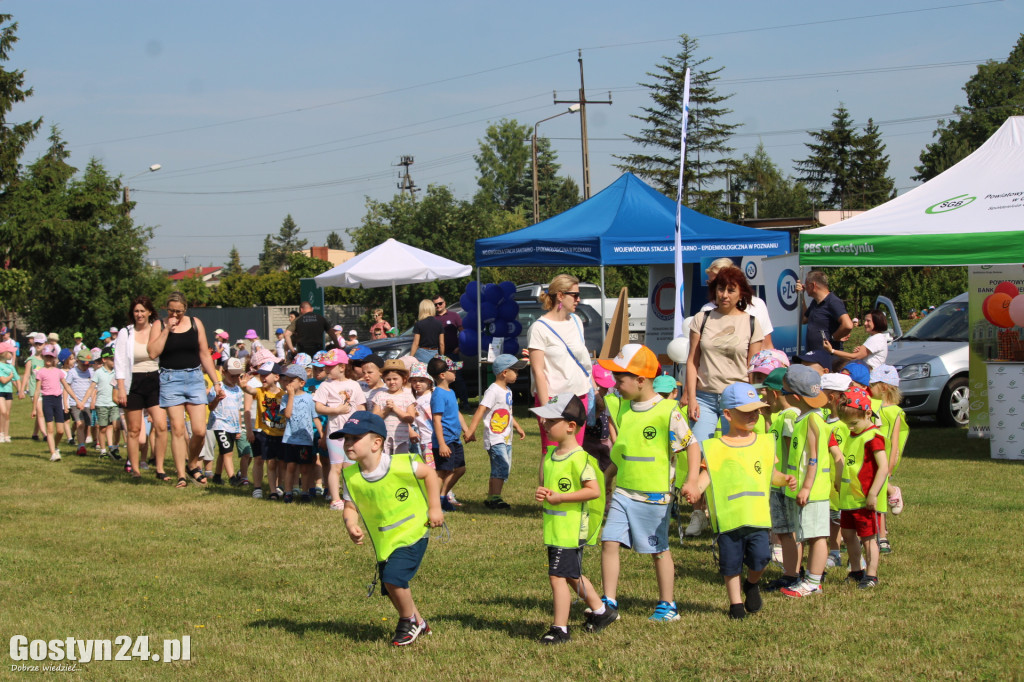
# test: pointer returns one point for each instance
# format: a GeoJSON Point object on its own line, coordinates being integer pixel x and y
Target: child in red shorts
{"type": "Point", "coordinates": [865, 468]}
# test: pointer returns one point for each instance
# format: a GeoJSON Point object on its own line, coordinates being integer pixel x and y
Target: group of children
{"type": "Point", "coordinates": [804, 456]}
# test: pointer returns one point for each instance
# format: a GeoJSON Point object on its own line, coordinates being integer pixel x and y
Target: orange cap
{"type": "Point", "coordinates": [634, 358]}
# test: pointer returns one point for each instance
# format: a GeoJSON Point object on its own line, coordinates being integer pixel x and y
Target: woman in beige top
{"type": "Point", "coordinates": [138, 386]}
{"type": "Point", "coordinates": [722, 343]}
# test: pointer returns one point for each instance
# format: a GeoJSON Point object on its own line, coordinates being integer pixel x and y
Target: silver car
{"type": "Point", "coordinates": [933, 361]}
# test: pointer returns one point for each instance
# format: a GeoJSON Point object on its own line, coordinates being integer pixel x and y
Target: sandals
{"type": "Point", "coordinates": [197, 475]}
{"type": "Point", "coordinates": [182, 483]}
{"type": "Point", "coordinates": [161, 476]}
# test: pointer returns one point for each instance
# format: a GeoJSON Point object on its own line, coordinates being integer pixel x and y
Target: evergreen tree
{"type": "Point", "coordinates": [764, 192]}
{"type": "Point", "coordinates": [270, 258]}
{"type": "Point", "coordinates": [334, 241]}
{"type": "Point", "coordinates": [994, 93]}
{"type": "Point", "coordinates": [234, 264]}
{"type": "Point", "coordinates": [13, 137]}
{"type": "Point", "coordinates": [503, 163]}
{"type": "Point", "coordinates": [847, 170]}
{"type": "Point", "coordinates": [707, 135]}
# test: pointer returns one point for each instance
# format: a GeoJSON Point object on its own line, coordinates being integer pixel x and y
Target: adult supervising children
{"type": "Point", "coordinates": [306, 333]}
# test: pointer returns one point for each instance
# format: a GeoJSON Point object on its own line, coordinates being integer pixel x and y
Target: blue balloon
{"type": "Point", "coordinates": [467, 342]}
{"type": "Point", "coordinates": [469, 320]}
{"type": "Point", "coordinates": [502, 328]}
{"type": "Point", "coordinates": [508, 288]}
{"type": "Point", "coordinates": [488, 312]}
{"type": "Point", "coordinates": [517, 328]}
{"type": "Point", "coordinates": [467, 302]}
{"type": "Point", "coordinates": [492, 294]}
{"type": "Point", "coordinates": [471, 289]}
{"type": "Point", "coordinates": [508, 310]}
{"type": "Point", "coordinates": [511, 346]}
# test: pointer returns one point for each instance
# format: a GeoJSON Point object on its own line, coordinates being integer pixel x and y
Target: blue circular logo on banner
{"type": "Point", "coordinates": [750, 270]}
{"type": "Point", "coordinates": [786, 289]}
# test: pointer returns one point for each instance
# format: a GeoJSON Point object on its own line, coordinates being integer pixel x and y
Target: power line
{"type": "Point", "coordinates": [532, 60]}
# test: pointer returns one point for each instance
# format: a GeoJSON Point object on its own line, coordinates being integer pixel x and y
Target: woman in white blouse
{"type": "Point", "coordinates": [875, 349]}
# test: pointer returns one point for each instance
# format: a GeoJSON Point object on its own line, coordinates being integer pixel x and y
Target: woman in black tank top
{"type": "Point", "coordinates": [180, 344]}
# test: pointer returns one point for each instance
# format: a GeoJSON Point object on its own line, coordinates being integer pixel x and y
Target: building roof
{"type": "Point", "coordinates": [201, 273]}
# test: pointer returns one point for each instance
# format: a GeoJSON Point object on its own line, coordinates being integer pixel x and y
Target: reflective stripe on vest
{"type": "Point", "coordinates": [740, 481]}
{"type": "Point", "coordinates": [645, 436]}
{"type": "Point", "coordinates": [393, 509]}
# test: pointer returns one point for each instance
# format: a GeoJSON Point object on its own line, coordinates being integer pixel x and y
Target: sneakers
{"type": "Point", "coordinates": [801, 589]}
{"type": "Point", "coordinates": [895, 499]}
{"type": "Point", "coordinates": [114, 454]}
{"type": "Point", "coordinates": [867, 582]}
{"type": "Point", "coordinates": [257, 493]}
{"type": "Point", "coordinates": [779, 583]}
{"type": "Point", "coordinates": [305, 498]}
{"type": "Point", "coordinates": [245, 482]}
{"type": "Point", "coordinates": [698, 524]}
{"type": "Point", "coordinates": [555, 636]}
{"type": "Point", "coordinates": [236, 480]}
{"type": "Point", "coordinates": [855, 576]}
{"type": "Point", "coordinates": [596, 622]}
{"type": "Point", "coordinates": [318, 491]}
{"type": "Point", "coordinates": [884, 547]}
{"type": "Point", "coordinates": [665, 612]}
{"type": "Point", "coordinates": [451, 498]}
{"type": "Point", "coordinates": [737, 611]}
{"type": "Point", "coordinates": [82, 451]}
{"type": "Point", "coordinates": [218, 479]}
{"type": "Point", "coordinates": [753, 601]}
{"type": "Point", "coordinates": [496, 503]}
{"type": "Point", "coordinates": [127, 467]}
{"type": "Point", "coordinates": [446, 504]}
{"type": "Point", "coordinates": [143, 466]}
{"type": "Point", "coordinates": [834, 559]}
{"type": "Point", "coordinates": [54, 456]}
{"type": "Point", "coordinates": [288, 498]}
{"type": "Point", "coordinates": [407, 631]}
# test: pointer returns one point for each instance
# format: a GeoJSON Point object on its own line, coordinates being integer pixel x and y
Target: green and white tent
{"type": "Point", "coordinates": [972, 214]}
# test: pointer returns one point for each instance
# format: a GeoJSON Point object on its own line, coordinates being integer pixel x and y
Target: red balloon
{"type": "Point", "coordinates": [1008, 288]}
{"type": "Point", "coordinates": [998, 307]}
{"type": "Point", "coordinates": [984, 309]}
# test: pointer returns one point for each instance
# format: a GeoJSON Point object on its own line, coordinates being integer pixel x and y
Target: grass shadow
{"type": "Point", "coordinates": [357, 632]}
{"type": "Point", "coordinates": [626, 604]}
{"type": "Point", "coordinates": [518, 629]}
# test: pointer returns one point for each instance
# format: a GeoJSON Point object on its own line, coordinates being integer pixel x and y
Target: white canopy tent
{"type": "Point", "coordinates": [971, 214]}
{"type": "Point", "coordinates": [391, 263]}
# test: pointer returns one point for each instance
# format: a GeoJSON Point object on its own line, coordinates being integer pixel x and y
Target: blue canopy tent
{"type": "Point", "coordinates": [627, 223]}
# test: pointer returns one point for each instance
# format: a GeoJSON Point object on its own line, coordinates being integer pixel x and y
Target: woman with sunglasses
{"type": "Point", "coordinates": [559, 359]}
{"type": "Point", "coordinates": [180, 344]}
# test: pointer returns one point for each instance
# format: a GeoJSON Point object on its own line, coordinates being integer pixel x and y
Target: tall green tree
{"type": "Point", "coordinates": [502, 164]}
{"type": "Point", "coordinates": [277, 247]}
{"type": "Point", "coordinates": [334, 241]}
{"type": "Point", "coordinates": [234, 264]}
{"type": "Point", "coordinates": [994, 92]}
{"type": "Point", "coordinates": [761, 190]}
{"type": "Point", "coordinates": [14, 137]}
{"type": "Point", "coordinates": [846, 169]}
{"type": "Point", "coordinates": [555, 193]}
{"type": "Point", "coordinates": [708, 154]}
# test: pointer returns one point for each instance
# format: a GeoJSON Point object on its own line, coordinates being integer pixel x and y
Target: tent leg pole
{"type": "Point", "coordinates": [479, 342]}
{"type": "Point", "coordinates": [800, 318]}
{"type": "Point", "coordinates": [394, 304]}
{"type": "Point", "coordinates": [604, 298]}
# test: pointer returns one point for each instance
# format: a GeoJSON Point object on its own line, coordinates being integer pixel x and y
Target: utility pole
{"type": "Point", "coordinates": [407, 183]}
{"type": "Point", "coordinates": [583, 102]}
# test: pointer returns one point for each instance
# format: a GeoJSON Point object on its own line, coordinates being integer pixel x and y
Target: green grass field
{"type": "Point", "coordinates": [268, 591]}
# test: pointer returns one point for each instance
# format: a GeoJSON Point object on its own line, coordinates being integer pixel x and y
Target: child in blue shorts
{"type": "Point", "coordinates": [397, 497]}
{"type": "Point", "coordinates": [651, 431]}
{"type": "Point", "coordinates": [449, 427]}
{"type": "Point", "coordinates": [496, 412]}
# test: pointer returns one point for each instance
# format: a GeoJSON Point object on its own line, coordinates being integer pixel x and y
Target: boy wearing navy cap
{"type": "Point", "coordinates": [397, 498]}
{"type": "Point", "coordinates": [738, 473]}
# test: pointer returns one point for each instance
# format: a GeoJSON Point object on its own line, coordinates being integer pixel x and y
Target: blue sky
{"type": "Point", "coordinates": [258, 109]}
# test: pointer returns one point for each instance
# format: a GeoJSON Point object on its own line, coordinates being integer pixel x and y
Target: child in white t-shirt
{"type": "Point", "coordinates": [496, 412]}
{"type": "Point", "coordinates": [423, 428]}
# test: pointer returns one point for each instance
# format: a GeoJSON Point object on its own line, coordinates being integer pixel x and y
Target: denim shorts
{"type": "Point", "coordinates": [785, 517]}
{"type": "Point", "coordinates": [182, 386]}
{"type": "Point", "coordinates": [640, 525]}
{"type": "Point", "coordinates": [501, 460]}
{"type": "Point", "coordinates": [749, 546]}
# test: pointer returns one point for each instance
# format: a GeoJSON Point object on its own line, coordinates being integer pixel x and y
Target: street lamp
{"type": "Point", "coordinates": [126, 194]}
{"type": "Point", "coordinates": [536, 188]}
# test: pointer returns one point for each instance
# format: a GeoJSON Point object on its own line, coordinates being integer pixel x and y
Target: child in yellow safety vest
{"type": "Point", "coordinates": [572, 493]}
{"type": "Point", "coordinates": [398, 497]}
{"type": "Point", "coordinates": [738, 474]}
{"type": "Point", "coordinates": [885, 388]}
{"type": "Point", "coordinates": [834, 385]}
{"type": "Point", "coordinates": [651, 431]}
{"type": "Point", "coordinates": [809, 460]}
{"type": "Point", "coordinates": [861, 485]}
{"type": "Point", "coordinates": [780, 426]}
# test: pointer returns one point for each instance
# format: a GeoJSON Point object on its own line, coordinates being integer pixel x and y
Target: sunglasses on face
{"type": "Point", "coordinates": [438, 304]}
{"type": "Point", "coordinates": [574, 294]}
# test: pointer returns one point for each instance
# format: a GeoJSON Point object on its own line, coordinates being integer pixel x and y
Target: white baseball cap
{"type": "Point", "coordinates": [235, 366]}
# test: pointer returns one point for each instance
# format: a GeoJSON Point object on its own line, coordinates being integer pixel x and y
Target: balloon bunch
{"type": "Point", "coordinates": [1004, 307]}
{"type": "Point", "coordinates": [498, 315]}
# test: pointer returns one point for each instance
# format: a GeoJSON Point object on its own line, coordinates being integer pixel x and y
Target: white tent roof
{"type": "Point", "coordinates": [971, 214]}
{"type": "Point", "coordinates": [391, 263]}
